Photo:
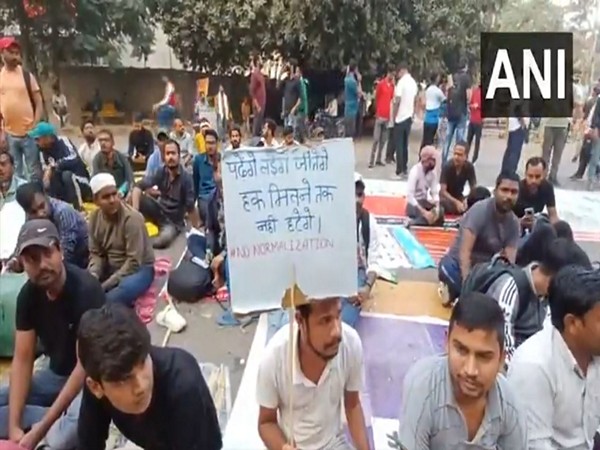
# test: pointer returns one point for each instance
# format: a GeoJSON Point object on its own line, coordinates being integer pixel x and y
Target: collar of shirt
{"type": "Point", "coordinates": [563, 351]}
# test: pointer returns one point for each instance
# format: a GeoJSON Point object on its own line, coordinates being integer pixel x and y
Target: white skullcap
{"type": "Point", "coordinates": [357, 177]}
{"type": "Point", "coordinates": [100, 181]}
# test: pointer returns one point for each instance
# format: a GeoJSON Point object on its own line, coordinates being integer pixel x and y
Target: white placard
{"type": "Point", "coordinates": [12, 218]}
{"type": "Point", "coordinates": [291, 217]}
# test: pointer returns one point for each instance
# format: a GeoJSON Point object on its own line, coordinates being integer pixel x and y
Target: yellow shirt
{"type": "Point", "coordinates": [199, 142]}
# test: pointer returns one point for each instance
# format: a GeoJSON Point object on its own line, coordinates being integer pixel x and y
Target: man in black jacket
{"type": "Point", "coordinates": [65, 175]}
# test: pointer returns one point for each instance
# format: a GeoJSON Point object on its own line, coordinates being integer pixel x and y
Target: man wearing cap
{"type": "Point", "coordinates": [65, 175]}
{"type": "Point", "coordinates": [110, 160]}
{"type": "Point", "coordinates": [121, 255]}
{"type": "Point", "coordinates": [21, 107]}
{"type": "Point", "coordinates": [49, 307]}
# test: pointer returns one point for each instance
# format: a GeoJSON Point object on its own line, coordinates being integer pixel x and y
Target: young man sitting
{"type": "Point", "coordinates": [45, 402]}
{"type": "Point", "coordinates": [121, 255]}
{"type": "Point", "coordinates": [166, 197]}
{"type": "Point", "coordinates": [112, 161]}
{"type": "Point", "coordinates": [328, 371]}
{"type": "Point", "coordinates": [455, 174]}
{"type": "Point", "coordinates": [156, 397]}
{"type": "Point", "coordinates": [461, 400]}
{"type": "Point", "coordinates": [423, 202]}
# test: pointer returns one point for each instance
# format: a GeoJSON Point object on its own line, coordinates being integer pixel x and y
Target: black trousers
{"type": "Point", "coordinates": [400, 136]}
{"type": "Point", "coordinates": [62, 186]}
{"type": "Point", "coordinates": [429, 131]}
{"type": "Point", "coordinates": [584, 158]}
{"type": "Point", "coordinates": [474, 131]}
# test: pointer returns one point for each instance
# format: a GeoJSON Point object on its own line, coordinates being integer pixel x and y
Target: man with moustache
{"type": "Point", "coordinates": [206, 174]}
{"type": "Point", "coordinates": [49, 306]}
{"type": "Point", "coordinates": [235, 138]}
{"type": "Point", "coordinates": [90, 147]}
{"type": "Point", "coordinates": [487, 228]}
{"type": "Point", "coordinates": [112, 161]}
{"type": "Point", "coordinates": [556, 372]}
{"type": "Point", "coordinates": [456, 172]}
{"type": "Point", "coordinates": [423, 202]}
{"type": "Point", "coordinates": [536, 193]}
{"type": "Point", "coordinates": [167, 197]}
{"type": "Point", "coordinates": [327, 372]}
{"type": "Point", "coordinates": [461, 400]}
{"type": "Point", "coordinates": [156, 397]}
{"type": "Point", "coordinates": [121, 255]}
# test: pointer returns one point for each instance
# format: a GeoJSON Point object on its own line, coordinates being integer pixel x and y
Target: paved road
{"type": "Point", "coordinates": [230, 346]}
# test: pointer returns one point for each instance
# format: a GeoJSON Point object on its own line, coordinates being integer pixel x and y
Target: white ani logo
{"type": "Point", "coordinates": [530, 70]}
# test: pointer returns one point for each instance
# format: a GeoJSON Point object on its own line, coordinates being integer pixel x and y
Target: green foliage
{"type": "Point", "coordinates": [215, 36]}
{"type": "Point", "coordinates": [97, 29]}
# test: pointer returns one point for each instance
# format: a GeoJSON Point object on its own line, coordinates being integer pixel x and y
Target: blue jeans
{"type": "Point", "coordinates": [594, 161]}
{"type": "Point", "coordinates": [514, 146]}
{"type": "Point", "coordinates": [25, 149]}
{"type": "Point", "coordinates": [165, 116]}
{"type": "Point", "coordinates": [350, 312]}
{"type": "Point", "coordinates": [131, 287]}
{"type": "Point", "coordinates": [45, 387]}
{"type": "Point", "coordinates": [449, 274]}
{"type": "Point", "coordinates": [454, 126]}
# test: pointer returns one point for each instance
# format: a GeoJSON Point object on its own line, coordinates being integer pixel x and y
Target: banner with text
{"type": "Point", "coordinates": [291, 217]}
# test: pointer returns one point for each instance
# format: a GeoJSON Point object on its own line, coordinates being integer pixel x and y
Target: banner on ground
{"type": "Point", "coordinates": [291, 218]}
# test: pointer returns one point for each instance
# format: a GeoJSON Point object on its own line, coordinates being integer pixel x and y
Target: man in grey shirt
{"type": "Point", "coordinates": [461, 400]}
{"type": "Point", "coordinates": [489, 227]}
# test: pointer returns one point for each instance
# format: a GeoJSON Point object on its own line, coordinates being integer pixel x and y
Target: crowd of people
{"type": "Point", "coordinates": [522, 368]}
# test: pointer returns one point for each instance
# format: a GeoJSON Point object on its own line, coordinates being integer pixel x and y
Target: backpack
{"type": "Point", "coordinates": [190, 282]}
{"type": "Point", "coordinates": [454, 104]}
{"type": "Point", "coordinates": [365, 228]}
{"type": "Point", "coordinates": [483, 275]}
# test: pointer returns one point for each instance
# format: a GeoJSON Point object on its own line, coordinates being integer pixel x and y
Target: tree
{"type": "Point", "coordinates": [79, 31]}
{"type": "Point", "coordinates": [214, 36]}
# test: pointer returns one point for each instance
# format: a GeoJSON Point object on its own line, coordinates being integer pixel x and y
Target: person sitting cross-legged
{"type": "Point", "coordinates": [121, 255]}
{"type": "Point", "coordinates": [44, 403]}
{"type": "Point", "coordinates": [423, 201]}
{"type": "Point", "coordinates": [156, 397]}
{"type": "Point", "coordinates": [456, 172]}
{"type": "Point", "coordinates": [166, 197]}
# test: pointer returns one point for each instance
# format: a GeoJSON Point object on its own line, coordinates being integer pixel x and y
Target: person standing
{"type": "Point", "coordinates": [475, 122]}
{"type": "Point", "coordinates": [405, 94]}
{"type": "Point", "coordinates": [458, 100]}
{"type": "Point", "coordinates": [434, 98]}
{"type": "Point", "coordinates": [594, 125]}
{"type": "Point", "coordinates": [351, 95]}
{"type": "Point", "coordinates": [223, 114]}
{"type": "Point", "coordinates": [384, 94]}
{"type": "Point", "coordinates": [556, 130]}
{"type": "Point", "coordinates": [258, 93]}
{"type": "Point", "coordinates": [21, 108]}
{"type": "Point", "coordinates": [166, 109]}
{"type": "Point", "coordinates": [517, 135]}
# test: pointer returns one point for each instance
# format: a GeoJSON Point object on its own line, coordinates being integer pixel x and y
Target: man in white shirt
{"type": "Point", "coordinates": [556, 372]}
{"type": "Point", "coordinates": [423, 201]}
{"type": "Point", "coordinates": [405, 94]}
{"type": "Point", "coordinates": [90, 147]}
{"type": "Point", "coordinates": [223, 112]}
{"type": "Point", "coordinates": [302, 408]}
{"type": "Point", "coordinates": [517, 135]}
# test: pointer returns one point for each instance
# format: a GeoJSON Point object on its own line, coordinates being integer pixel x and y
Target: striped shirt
{"type": "Point", "coordinates": [72, 230]}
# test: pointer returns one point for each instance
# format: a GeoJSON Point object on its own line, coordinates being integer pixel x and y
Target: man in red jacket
{"type": "Point", "coordinates": [384, 95]}
{"type": "Point", "coordinates": [475, 122]}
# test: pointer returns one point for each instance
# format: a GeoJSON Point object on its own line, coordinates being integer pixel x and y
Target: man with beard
{"type": "Point", "coordinates": [166, 197]}
{"type": "Point", "coordinates": [328, 370]}
{"type": "Point", "coordinates": [90, 147]}
{"type": "Point", "coordinates": [141, 141]}
{"type": "Point", "coordinates": [536, 193]}
{"type": "Point", "coordinates": [121, 256]}
{"type": "Point", "coordinates": [461, 400]}
{"type": "Point", "coordinates": [207, 183]}
{"type": "Point", "coordinates": [112, 161]}
{"type": "Point", "coordinates": [235, 138]}
{"type": "Point", "coordinates": [157, 397]}
{"type": "Point", "coordinates": [423, 202]}
{"type": "Point", "coordinates": [185, 141]}
{"type": "Point", "coordinates": [49, 306]}
{"type": "Point", "coordinates": [455, 174]}
{"type": "Point", "coordinates": [65, 175]}
{"type": "Point", "coordinates": [288, 137]}
{"type": "Point", "coordinates": [487, 228]}
{"type": "Point", "coordinates": [268, 134]}
{"type": "Point", "coordinates": [556, 372]}
{"type": "Point", "coordinates": [9, 182]}
{"type": "Point", "coordinates": [72, 227]}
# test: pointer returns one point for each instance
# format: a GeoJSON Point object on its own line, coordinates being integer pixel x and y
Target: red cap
{"type": "Point", "coordinates": [7, 42]}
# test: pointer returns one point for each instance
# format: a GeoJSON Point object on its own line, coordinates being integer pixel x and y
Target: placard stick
{"type": "Point", "coordinates": [292, 353]}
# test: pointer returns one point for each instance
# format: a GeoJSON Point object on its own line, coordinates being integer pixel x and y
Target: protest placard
{"type": "Point", "coordinates": [291, 218]}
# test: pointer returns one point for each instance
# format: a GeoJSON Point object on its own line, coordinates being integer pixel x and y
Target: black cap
{"type": "Point", "coordinates": [39, 232]}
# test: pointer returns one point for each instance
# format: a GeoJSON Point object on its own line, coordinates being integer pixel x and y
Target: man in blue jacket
{"type": "Point", "coordinates": [65, 175]}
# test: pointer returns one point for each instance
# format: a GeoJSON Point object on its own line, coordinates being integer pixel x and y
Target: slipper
{"type": "Point", "coordinates": [227, 319]}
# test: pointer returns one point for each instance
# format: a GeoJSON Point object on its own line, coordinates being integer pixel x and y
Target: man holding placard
{"type": "Point", "coordinates": [301, 403]}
